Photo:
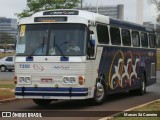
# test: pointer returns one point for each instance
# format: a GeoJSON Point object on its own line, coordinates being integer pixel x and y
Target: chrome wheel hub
{"type": "Point", "coordinates": [99, 91]}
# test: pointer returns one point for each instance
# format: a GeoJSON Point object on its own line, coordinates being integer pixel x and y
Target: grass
{"type": "Point", "coordinates": [6, 93]}
{"type": "Point", "coordinates": [158, 60]}
{"type": "Point", "coordinates": [11, 86]}
{"type": "Point", "coordinates": [136, 118]}
{"type": "Point", "coordinates": [151, 108]}
{"type": "Point", "coordinates": [7, 84]}
{"type": "Point", "coordinates": [6, 54]}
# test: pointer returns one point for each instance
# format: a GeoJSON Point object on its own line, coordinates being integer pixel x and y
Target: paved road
{"type": "Point", "coordinates": [114, 103]}
{"type": "Point", "coordinates": [6, 75]}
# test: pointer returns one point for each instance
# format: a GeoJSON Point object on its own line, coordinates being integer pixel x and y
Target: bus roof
{"type": "Point", "coordinates": [88, 16]}
{"type": "Point", "coordinates": [74, 12]}
{"type": "Point", "coordinates": [129, 25]}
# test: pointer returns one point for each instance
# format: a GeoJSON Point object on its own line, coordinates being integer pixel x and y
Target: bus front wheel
{"type": "Point", "coordinates": [99, 93]}
{"type": "Point", "coordinates": [42, 101]}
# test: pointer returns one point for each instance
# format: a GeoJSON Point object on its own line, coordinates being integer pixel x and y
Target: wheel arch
{"type": "Point", "coordinates": [101, 78]}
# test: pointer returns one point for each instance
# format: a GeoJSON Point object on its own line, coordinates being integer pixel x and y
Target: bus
{"type": "Point", "coordinates": [69, 54]}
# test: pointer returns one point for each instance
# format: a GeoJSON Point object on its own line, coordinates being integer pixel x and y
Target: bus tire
{"type": "Point", "coordinates": [142, 89]}
{"type": "Point", "coordinates": [42, 102]}
{"type": "Point", "coordinates": [99, 93]}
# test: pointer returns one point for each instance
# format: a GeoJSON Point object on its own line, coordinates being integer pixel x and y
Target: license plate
{"type": "Point", "coordinates": [46, 80]}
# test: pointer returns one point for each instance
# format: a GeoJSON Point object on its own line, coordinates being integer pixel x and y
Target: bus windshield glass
{"type": "Point", "coordinates": [52, 40]}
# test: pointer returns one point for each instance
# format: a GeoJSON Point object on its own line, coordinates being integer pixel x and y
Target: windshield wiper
{"type": "Point", "coordinates": [59, 49]}
{"type": "Point", "coordinates": [42, 44]}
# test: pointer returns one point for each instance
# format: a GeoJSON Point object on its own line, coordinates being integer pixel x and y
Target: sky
{"type": "Point", "coordinates": [8, 8]}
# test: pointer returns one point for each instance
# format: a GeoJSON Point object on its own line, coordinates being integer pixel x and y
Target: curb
{"type": "Point", "coordinates": [112, 116]}
{"type": "Point", "coordinates": [7, 89]}
{"type": "Point", "coordinates": [7, 100]}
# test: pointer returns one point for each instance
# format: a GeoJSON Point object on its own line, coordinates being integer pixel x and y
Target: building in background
{"type": "Point", "coordinates": [139, 11]}
{"type": "Point", "coordinates": [156, 27]}
{"type": "Point", "coordinates": [113, 11]}
{"type": "Point", "coordinates": [149, 25]}
{"type": "Point", "coordinates": [9, 26]}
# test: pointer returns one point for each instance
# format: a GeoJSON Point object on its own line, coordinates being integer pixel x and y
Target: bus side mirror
{"type": "Point", "coordinates": [92, 42]}
{"type": "Point", "coordinates": [91, 48]}
{"type": "Point", "coordinates": [91, 32]}
{"type": "Point", "coordinates": [91, 45]}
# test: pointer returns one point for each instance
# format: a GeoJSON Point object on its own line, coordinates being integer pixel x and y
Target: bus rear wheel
{"type": "Point", "coordinates": [142, 89]}
{"type": "Point", "coordinates": [99, 94]}
{"type": "Point", "coordinates": [42, 101]}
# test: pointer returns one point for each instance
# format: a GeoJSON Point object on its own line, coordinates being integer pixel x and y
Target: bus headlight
{"type": "Point", "coordinates": [24, 80]}
{"type": "Point", "coordinates": [28, 80]}
{"type": "Point", "coordinates": [72, 80]}
{"type": "Point", "coordinates": [69, 80]}
{"type": "Point", "coordinates": [21, 80]}
{"type": "Point", "coordinates": [65, 80]}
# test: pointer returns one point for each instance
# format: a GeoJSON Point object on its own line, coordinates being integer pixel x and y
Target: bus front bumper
{"type": "Point", "coordinates": [51, 93]}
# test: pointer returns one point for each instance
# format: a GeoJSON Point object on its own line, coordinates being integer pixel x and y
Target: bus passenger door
{"type": "Point", "coordinates": [91, 44]}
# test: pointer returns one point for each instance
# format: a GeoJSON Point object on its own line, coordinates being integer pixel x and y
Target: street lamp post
{"type": "Point", "coordinates": [81, 4]}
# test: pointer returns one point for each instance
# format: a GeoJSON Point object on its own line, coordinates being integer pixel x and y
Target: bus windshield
{"type": "Point", "coordinates": [52, 40]}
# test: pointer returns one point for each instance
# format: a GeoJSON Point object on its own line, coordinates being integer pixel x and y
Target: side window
{"type": "Point", "coordinates": [126, 37]}
{"type": "Point", "coordinates": [135, 39]}
{"type": "Point", "coordinates": [102, 33]}
{"type": "Point", "coordinates": [144, 39]}
{"type": "Point", "coordinates": [9, 59]}
{"type": "Point", "coordinates": [152, 41]}
{"type": "Point", "coordinates": [115, 36]}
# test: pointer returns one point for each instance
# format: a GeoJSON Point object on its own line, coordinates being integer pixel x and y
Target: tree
{"type": "Point", "coordinates": [157, 3]}
{"type": "Point", "coordinates": [40, 5]}
{"type": "Point", "coordinates": [5, 39]}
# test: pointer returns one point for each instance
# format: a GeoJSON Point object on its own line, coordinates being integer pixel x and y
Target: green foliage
{"type": "Point", "coordinates": [34, 6]}
{"type": "Point", "coordinates": [158, 60]}
{"type": "Point", "coordinates": [6, 38]}
{"type": "Point", "coordinates": [158, 36]}
{"type": "Point", "coordinates": [157, 3]}
{"type": "Point", "coordinates": [147, 109]}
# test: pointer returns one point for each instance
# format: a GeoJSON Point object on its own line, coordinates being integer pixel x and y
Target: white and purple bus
{"type": "Point", "coordinates": [75, 54]}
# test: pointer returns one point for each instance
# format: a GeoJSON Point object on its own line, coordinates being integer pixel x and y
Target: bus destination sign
{"type": "Point", "coordinates": [61, 12]}
{"type": "Point", "coordinates": [50, 19]}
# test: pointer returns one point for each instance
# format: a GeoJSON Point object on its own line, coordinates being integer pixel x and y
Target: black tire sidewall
{"type": "Point", "coordinates": [100, 101]}
{"type": "Point", "coordinates": [4, 69]}
{"type": "Point", "coordinates": [42, 102]}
